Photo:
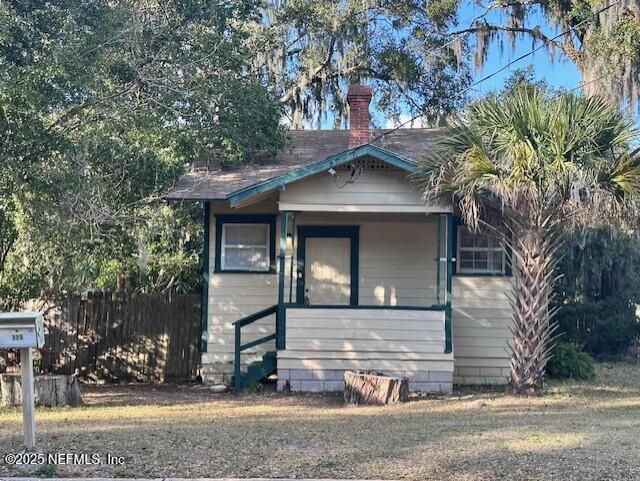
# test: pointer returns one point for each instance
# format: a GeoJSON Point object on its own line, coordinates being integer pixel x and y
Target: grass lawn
{"type": "Point", "coordinates": [577, 431]}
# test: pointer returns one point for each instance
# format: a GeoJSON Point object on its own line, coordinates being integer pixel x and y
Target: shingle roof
{"type": "Point", "coordinates": [304, 148]}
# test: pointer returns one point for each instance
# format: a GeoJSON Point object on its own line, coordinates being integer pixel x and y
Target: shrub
{"type": "Point", "coordinates": [599, 290]}
{"type": "Point", "coordinates": [570, 362]}
{"type": "Point", "coordinates": [255, 388]}
{"type": "Point", "coordinates": [604, 328]}
{"type": "Point", "coordinates": [46, 471]}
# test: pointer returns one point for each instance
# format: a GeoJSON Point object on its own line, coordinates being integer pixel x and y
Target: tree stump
{"type": "Point", "coordinates": [374, 388]}
{"type": "Point", "coordinates": [50, 390]}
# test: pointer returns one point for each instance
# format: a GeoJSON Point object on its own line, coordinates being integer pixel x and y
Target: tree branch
{"type": "Point", "coordinates": [311, 76]}
{"type": "Point", "coordinates": [567, 46]}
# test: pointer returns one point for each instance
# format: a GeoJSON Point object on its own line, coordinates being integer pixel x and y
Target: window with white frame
{"type": "Point", "coordinates": [245, 247]}
{"type": "Point", "coordinates": [479, 253]}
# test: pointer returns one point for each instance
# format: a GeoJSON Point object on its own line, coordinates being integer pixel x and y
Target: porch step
{"type": "Point", "coordinates": [258, 370]}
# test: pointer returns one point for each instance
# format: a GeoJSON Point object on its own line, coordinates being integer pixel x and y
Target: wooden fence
{"type": "Point", "coordinates": [118, 337]}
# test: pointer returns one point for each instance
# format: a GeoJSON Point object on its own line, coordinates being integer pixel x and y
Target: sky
{"type": "Point", "coordinates": [558, 73]}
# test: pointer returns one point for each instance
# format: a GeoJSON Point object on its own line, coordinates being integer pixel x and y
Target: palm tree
{"type": "Point", "coordinates": [545, 163]}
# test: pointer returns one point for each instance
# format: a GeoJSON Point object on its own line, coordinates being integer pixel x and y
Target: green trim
{"type": "Point", "coordinates": [204, 303]}
{"type": "Point", "coordinates": [251, 318]}
{"type": "Point", "coordinates": [202, 198]}
{"type": "Point", "coordinates": [481, 274]}
{"type": "Point", "coordinates": [293, 242]}
{"type": "Point", "coordinates": [438, 256]}
{"type": "Point", "coordinates": [456, 222]}
{"type": "Point", "coordinates": [342, 158]}
{"type": "Point", "coordinates": [238, 378]}
{"type": "Point", "coordinates": [508, 254]}
{"type": "Point", "coordinates": [328, 231]}
{"type": "Point", "coordinates": [280, 316]}
{"type": "Point", "coordinates": [257, 342]}
{"type": "Point", "coordinates": [246, 219]}
{"type": "Point", "coordinates": [448, 344]}
{"type": "Point", "coordinates": [433, 307]}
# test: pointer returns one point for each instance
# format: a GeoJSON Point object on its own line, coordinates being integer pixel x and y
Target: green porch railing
{"type": "Point", "coordinates": [239, 380]}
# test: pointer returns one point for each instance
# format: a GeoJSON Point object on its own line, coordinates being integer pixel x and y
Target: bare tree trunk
{"type": "Point", "coordinates": [534, 262]}
{"type": "Point", "coordinates": [372, 388]}
{"type": "Point", "coordinates": [50, 390]}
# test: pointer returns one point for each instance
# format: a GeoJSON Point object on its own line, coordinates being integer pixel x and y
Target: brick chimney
{"type": "Point", "coordinates": [358, 98]}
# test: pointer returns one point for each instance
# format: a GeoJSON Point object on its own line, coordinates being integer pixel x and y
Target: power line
{"type": "Point", "coordinates": [584, 84]}
{"type": "Point", "coordinates": [506, 66]}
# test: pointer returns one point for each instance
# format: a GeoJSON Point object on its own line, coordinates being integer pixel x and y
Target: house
{"type": "Point", "coordinates": [327, 258]}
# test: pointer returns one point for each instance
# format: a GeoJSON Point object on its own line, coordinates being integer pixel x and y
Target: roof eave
{"type": "Point", "coordinates": [280, 181]}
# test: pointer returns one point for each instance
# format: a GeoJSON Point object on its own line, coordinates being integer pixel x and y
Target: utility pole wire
{"type": "Point", "coordinates": [504, 67]}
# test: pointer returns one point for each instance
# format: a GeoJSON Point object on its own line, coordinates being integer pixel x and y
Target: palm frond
{"type": "Point", "coordinates": [546, 162]}
{"type": "Point", "coordinates": [529, 147]}
{"type": "Point", "coordinates": [622, 178]}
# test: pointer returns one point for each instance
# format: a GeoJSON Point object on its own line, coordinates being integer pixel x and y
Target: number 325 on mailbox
{"type": "Point", "coordinates": [21, 329]}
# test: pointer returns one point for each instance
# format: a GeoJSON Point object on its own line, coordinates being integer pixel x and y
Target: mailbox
{"type": "Point", "coordinates": [21, 329]}
{"type": "Point", "coordinates": [24, 330]}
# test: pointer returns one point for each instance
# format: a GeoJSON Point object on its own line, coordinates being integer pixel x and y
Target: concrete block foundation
{"type": "Point", "coordinates": [332, 380]}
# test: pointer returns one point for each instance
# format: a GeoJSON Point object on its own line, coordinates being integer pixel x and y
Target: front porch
{"type": "Point", "coordinates": [323, 342]}
{"type": "Point", "coordinates": [355, 291]}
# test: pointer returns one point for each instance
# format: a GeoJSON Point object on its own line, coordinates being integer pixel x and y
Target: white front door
{"type": "Point", "coordinates": [327, 271]}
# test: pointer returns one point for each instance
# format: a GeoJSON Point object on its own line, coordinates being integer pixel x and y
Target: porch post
{"type": "Point", "coordinates": [204, 303]}
{"type": "Point", "coordinates": [281, 313]}
{"type": "Point", "coordinates": [438, 257]}
{"type": "Point", "coordinates": [448, 344]}
{"type": "Point", "coordinates": [293, 253]}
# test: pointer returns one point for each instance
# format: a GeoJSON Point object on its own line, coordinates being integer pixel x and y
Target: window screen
{"type": "Point", "coordinates": [245, 247]}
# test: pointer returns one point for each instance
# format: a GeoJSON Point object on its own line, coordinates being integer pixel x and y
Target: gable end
{"type": "Point", "coordinates": [345, 157]}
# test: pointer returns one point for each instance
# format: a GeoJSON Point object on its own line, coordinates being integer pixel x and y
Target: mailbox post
{"type": "Point", "coordinates": [24, 330]}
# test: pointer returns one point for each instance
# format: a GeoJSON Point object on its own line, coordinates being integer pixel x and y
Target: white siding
{"type": "Point", "coordinates": [386, 190]}
{"type": "Point", "coordinates": [481, 318]}
{"type": "Point", "coordinates": [233, 296]}
{"type": "Point", "coordinates": [378, 339]}
{"type": "Point", "coordinates": [396, 262]}
{"type": "Point", "coordinates": [397, 267]}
